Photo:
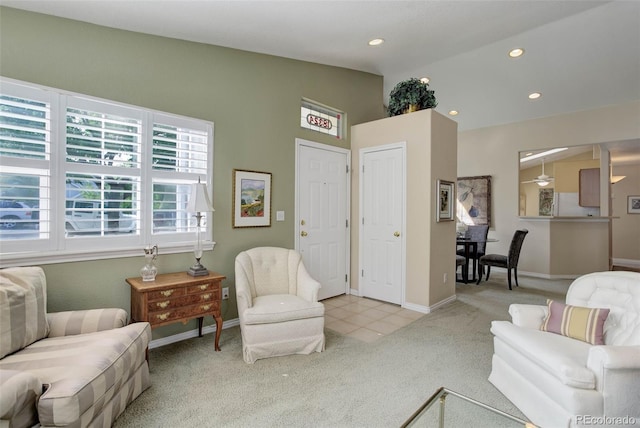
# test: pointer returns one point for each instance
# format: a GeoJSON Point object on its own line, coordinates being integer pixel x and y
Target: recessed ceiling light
{"type": "Point", "coordinates": [425, 80]}
{"type": "Point", "coordinates": [515, 53]}
{"type": "Point", "coordinates": [453, 112]}
{"type": "Point", "coordinates": [534, 95]}
{"type": "Point", "coordinates": [376, 42]}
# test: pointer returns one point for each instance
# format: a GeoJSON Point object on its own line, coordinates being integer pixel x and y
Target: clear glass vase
{"type": "Point", "coordinates": [149, 270]}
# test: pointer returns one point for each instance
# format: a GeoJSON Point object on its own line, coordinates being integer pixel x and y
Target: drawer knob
{"type": "Point", "coordinates": [206, 296]}
{"type": "Point", "coordinates": [163, 317]}
{"type": "Point", "coordinates": [162, 305]}
{"type": "Point", "coordinates": [167, 293]}
{"type": "Point", "coordinates": [206, 307]}
{"type": "Point", "coordinates": [204, 286]}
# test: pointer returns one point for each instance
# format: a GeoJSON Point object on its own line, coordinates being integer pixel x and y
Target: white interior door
{"type": "Point", "coordinates": [322, 213]}
{"type": "Point", "coordinates": [382, 208]}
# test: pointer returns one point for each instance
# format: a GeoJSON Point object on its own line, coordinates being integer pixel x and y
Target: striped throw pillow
{"type": "Point", "coordinates": [586, 324]}
{"type": "Point", "coordinates": [23, 308]}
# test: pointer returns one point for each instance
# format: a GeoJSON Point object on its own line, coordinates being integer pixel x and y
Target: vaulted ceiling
{"type": "Point", "coordinates": [578, 54]}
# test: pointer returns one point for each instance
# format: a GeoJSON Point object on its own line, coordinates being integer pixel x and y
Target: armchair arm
{"type": "Point", "coordinates": [68, 323]}
{"type": "Point", "coordinates": [606, 357]}
{"type": "Point", "coordinates": [244, 298]}
{"type": "Point", "coordinates": [528, 316]}
{"type": "Point", "coordinates": [617, 372]}
{"type": "Point", "coordinates": [20, 391]}
{"type": "Point", "coordinates": [307, 286]}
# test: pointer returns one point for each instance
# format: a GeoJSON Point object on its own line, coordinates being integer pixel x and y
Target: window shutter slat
{"type": "Point", "coordinates": [179, 149]}
{"type": "Point", "coordinates": [24, 128]}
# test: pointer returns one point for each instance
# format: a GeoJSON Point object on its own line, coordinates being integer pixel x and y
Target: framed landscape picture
{"type": "Point", "coordinates": [474, 200]}
{"type": "Point", "coordinates": [445, 201]}
{"type": "Point", "coordinates": [251, 198]}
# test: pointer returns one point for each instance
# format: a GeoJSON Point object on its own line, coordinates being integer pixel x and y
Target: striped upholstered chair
{"type": "Point", "coordinates": [75, 368]}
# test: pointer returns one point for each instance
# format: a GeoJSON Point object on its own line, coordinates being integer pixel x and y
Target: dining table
{"type": "Point", "coordinates": [471, 252]}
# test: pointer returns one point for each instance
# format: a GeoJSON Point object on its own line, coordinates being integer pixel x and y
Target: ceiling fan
{"type": "Point", "coordinates": [541, 180]}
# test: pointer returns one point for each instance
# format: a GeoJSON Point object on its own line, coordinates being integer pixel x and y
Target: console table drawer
{"type": "Point", "coordinates": [183, 312]}
{"type": "Point", "coordinates": [189, 299]}
{"type": "Point", "coordinates": [207, 286]}
{"type": "Point", "coordinates": [163, 294]}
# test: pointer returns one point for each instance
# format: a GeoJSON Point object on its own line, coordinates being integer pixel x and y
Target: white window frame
{"type": "Point", "coordinates": [325, 114]}
{"type": "Point", "coordinates": [58, 248]}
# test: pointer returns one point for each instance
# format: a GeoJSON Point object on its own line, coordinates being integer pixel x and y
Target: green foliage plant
{"type": "Point", "coordinates": [410, 95]}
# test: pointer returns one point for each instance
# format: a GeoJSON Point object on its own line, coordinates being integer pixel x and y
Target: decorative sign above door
{"type": "Point", "coordinates": [320, 118]}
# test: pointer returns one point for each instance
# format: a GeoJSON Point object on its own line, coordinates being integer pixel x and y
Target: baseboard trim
{"type": "Point", "coordinates": [428, 309]}
{"type": "Point", "coordinates": [627, 263]}
{"type": "Point", "coordinates": [547, 276]}
{"type": "Point", "coordinates": [191, 333]}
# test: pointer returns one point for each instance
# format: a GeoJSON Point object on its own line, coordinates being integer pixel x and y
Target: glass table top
{"type": "Point", "coordinates": [446, 408]}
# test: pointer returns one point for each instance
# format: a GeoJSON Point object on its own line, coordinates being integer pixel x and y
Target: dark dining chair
{"type": "Point", "coordinates": [509, 262]}
{"type": "Point", "coordinates": [462, 261]}
{"type": "Point", "coordinates": [479, 234]}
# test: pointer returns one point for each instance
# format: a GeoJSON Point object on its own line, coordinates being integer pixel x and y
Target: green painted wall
{"type": "Point", "coordinates": [253, 100]}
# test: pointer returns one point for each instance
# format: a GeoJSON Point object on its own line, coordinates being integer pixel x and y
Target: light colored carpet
{"type": "Point", "coordinates": [351, 384]}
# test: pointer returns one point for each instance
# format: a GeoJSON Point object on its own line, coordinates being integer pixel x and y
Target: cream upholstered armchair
{"type": "Point", "coordinates": [572, 368]}
{"type": "Point", "coordinates": [277, 304]}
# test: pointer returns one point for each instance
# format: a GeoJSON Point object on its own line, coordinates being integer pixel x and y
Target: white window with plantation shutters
{"type": "Point", "coordinates": [84, 178]}
{"type": "Point", "coordinates": [25, 168]}
{"type": "Point", "coordinates": [180, 156]}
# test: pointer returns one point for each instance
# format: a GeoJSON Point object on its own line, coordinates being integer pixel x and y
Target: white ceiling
{"type": "Point", "coordinates": [579, 54]}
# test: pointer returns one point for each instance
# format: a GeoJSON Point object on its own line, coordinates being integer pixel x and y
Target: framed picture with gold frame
{"type": "Point", "coordinates": [251, 198]}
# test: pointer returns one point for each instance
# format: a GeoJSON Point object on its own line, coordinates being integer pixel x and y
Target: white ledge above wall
{"type": "Point", "coordinates": [43, 258]}
{"type": "Point", "coordinates": [568, 218]}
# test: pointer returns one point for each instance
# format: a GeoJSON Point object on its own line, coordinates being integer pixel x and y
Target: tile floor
{"type": "Point", "coordinates": [365, 319]}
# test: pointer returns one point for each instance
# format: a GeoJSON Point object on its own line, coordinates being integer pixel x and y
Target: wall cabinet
{"type": "Point", "coordinates": [589, 194]}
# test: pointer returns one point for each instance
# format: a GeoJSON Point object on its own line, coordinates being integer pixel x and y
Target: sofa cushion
{"type": "Point", "coordinates": [81, 372]}
{"type": "Point", "coordinates": [280, 308]}
{"type": "Point", "coordinates": [23, 306]}
{"type": "Point", "coordinates": [577, 322]}
{"type": "Point", "coordinates": [563, 357]}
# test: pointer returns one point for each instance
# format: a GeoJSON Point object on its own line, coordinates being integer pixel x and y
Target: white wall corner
{"type": "Point", "coordinates": [428, 309]}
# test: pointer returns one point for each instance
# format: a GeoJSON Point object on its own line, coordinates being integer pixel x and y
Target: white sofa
{"type": "Point", "coordinates": [558, 381]}
{"type": "Point", "coordinates": [73, 368]}
{"type": "Point", "coordinates": [277, 304]}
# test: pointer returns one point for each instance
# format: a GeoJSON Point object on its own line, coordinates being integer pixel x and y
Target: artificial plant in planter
{"type": "Point", "coordinates": [411, 95]}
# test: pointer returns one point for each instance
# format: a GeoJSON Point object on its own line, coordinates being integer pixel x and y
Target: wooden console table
{"type": "Point", "coordinates": [174, 297]}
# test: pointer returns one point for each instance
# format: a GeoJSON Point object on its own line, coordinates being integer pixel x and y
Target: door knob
{"type": "Point", "coordinates": [303, 233]}
{"type": "Point", "coordinates": [396, 234]}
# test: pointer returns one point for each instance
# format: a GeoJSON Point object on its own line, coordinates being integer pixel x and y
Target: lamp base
{"type": "Point", "coordinates": [198, 270]}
